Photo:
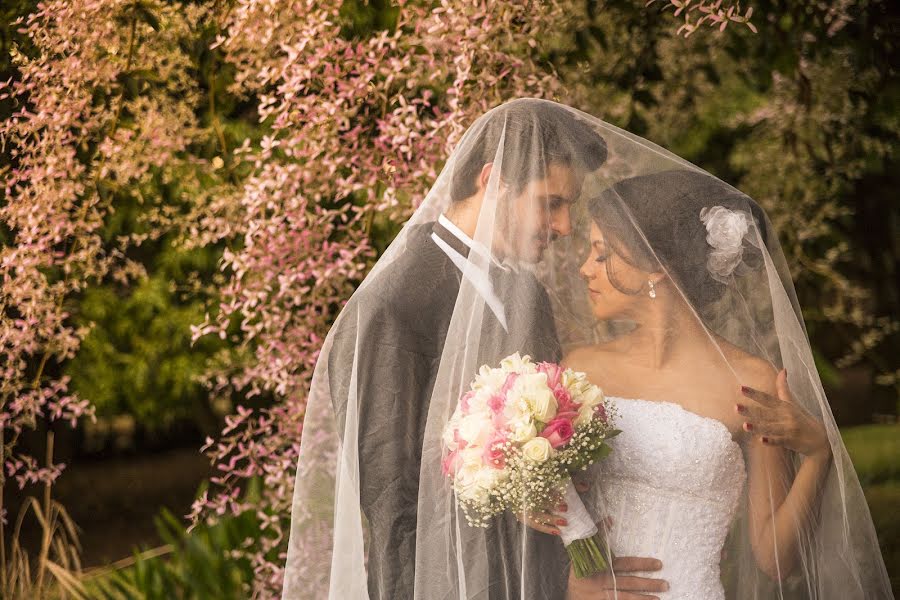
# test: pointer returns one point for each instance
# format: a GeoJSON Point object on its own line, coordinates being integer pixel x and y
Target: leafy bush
{"type": "Point", "coordinates": [198, 564]}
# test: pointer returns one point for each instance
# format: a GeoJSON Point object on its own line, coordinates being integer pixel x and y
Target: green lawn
{"type": "Point", "coordinates": [875, 451]}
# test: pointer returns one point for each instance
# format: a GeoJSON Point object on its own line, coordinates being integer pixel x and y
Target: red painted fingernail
{"type": "Point", "coordinates": [765, 440]}
{"type": "Point", "coordinates": [740, 407]}
{"type": "Point", "coordinates": [748, 426]}
{"type": "Point", "coordinates": [745, 389]}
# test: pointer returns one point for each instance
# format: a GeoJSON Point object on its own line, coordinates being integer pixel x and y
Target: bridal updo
{"type": "Point", "coordinates": [702, 230]}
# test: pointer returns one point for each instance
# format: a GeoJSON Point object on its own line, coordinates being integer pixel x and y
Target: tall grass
{"type": "Point", "coordinates": [55, 571]}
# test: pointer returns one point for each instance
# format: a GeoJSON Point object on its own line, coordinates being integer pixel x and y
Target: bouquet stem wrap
{"type": "Point", "coordinates": [581, 538]}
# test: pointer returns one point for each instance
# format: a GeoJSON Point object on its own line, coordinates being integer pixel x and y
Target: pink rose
{"type": "Point", "coordinates": [558, 431]}
{"type": "Point", "coordinates": [568, 415]}
{"type": "Point", "coordinates": [564, 399]}
{"type": "Point", "coordinates": [494, 454]}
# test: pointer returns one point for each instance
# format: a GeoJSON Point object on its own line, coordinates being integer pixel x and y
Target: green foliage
{"type": "Point", "coordinates": [362, 17]}
{"type": "Point", "coordinates": [138, 358]}
{"type": "Point", "coordinates": [875, 451]}
{"type": "Point", "coordinates": [199, 564]}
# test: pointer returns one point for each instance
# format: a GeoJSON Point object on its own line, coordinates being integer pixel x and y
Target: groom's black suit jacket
{"type": "Point", "coordinates": [397, 326]}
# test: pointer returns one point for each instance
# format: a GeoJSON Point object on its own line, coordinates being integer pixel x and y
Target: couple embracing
{"type": "Point", "coordinates": [555, 235]}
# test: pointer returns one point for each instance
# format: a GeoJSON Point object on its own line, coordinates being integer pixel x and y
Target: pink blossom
{"type": "Point", "coordinates": [508, 384]}
{"type": "Point", "coordinates": [460, 442]}
{"type": "Point", "coordinates": [464, 401]}
{"type": "Point", "coordinates": [496, 403]}
{"type": "Point", "coordinates": [450, 463]}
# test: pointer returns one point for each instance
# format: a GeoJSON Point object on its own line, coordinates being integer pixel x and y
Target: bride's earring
{"type": "Point", "coordinates": [652, 289]}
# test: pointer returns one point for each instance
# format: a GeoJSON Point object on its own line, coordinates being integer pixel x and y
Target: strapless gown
{"type": "Point", "coordinates": [672, 485]}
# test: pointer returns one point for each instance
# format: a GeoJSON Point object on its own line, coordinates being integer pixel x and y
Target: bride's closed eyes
{"type": "Point", "coordinates": [602, 252]}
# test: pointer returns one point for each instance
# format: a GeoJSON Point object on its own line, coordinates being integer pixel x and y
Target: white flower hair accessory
{"type": "Point", "coordinates": [726, 230]}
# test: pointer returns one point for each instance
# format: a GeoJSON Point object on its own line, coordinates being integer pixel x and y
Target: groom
{"type": "Point", "coordinates": [407, 309]}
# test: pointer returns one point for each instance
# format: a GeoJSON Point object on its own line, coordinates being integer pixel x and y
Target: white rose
{"type": "Point", "coordinates": [475, 483]}
{"type": "Point", "coordinates": [537, 449]}
{"type": "Point", "coordinates": [467, 482]}
{"type": "Point", "coordinates": [471, 457]}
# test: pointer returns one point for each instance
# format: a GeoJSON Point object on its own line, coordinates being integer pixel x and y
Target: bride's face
{"type": "Point", "coordinates": [608, 300]}
{"type": "Point", "coordinates": [539, 214]}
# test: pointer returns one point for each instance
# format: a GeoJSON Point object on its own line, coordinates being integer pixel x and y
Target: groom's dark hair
{"type": "Point", "coordinates": [528, 127]}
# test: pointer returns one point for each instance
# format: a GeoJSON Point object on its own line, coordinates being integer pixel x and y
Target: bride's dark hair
{"type": "Point", "coordinates": [663, 210]}
{"type": "Point", "coordinates": [528, 126]}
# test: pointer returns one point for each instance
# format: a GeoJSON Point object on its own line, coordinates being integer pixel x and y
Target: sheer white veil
{"type": "Point", "coordinates": [500, 272]}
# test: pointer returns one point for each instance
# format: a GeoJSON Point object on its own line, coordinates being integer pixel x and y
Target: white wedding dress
{"type": "Point", "coordinates": [671, 486]}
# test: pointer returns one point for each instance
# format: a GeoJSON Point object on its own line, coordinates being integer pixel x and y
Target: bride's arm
{"type": "Point", "coordinates": [782, 508]}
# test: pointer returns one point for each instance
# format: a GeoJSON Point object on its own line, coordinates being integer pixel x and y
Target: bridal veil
{"type": "Point", "coordinates": [373, 514]}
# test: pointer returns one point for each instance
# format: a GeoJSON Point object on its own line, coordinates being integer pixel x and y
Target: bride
{"type": "Point", "coordinates": [554, 234]}
{"type": "Point", "coordinates": [692, 438]}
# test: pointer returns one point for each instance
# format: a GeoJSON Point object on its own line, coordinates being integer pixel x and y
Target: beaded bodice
{"type": "Point", "coordinates": [671, 486]}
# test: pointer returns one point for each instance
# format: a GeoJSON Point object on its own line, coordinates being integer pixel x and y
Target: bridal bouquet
{"type": "Point", "coordinates": [515, 438]}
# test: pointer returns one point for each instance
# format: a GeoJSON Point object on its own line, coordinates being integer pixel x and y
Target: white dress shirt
{"type": "Point", "coordinates": [478, 277]}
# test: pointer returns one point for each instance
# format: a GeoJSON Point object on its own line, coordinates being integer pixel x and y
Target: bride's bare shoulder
{"type": "Point", "coordinates": [753, 370]}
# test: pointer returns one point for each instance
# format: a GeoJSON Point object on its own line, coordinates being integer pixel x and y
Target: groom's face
{"type": "Point", "coordinates": [540, 213]}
